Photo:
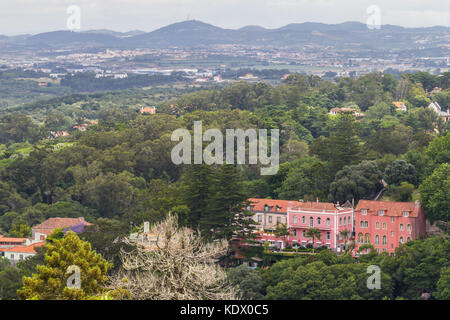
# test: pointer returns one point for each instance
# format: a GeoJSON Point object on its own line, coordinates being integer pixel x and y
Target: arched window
{"type": "Point", "coordinates": [401, 240]}
{"type": "Point", "coordinates": [402, 227]}
{"type": "Point", "coordinates": [408, 227]}
{"type": "Point", "coordinates": [360, 238]}
{"type": "Point", "coordinates": [384, 240]}
{"type": "Point", "coordinates": [345, 220]}
{"type": "Point", "coordinates": [294, 219]}
{"type": "Point", "coordinates": [295, 232]}
{"type": "Point", "coordinates": [319, 220]}
{"type": "Point", "coordinates": [377, 239]}
{"type": "Point", "coordinates": [377, 225]}
{"type": "Point", "coordinates": [367, 238]}
{"type": "Point", "coordinates": [303, 220]}
{"type": "Point", "coordinates": [311, 221]}
{"type": "Point", "coordinates": [384, 225]}
{"type": "Point", "coordinates": [328, 221]}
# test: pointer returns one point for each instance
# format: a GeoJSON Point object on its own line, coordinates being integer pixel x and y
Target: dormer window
{"type": "Point", "coordinates": [381, 212]}
{"type": "Point", "coordinates": [249, 208]}
{"type": "Point", "coordinates": [364, 212]}
{"type": "Point", "coordinates": [266, 208]}
{"type": "Point", "coordinates": [278, 208]}
{"type": "Point", "coordinates": [405, 214]}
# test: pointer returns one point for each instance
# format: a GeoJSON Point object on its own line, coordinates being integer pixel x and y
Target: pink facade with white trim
{"type": "Point", "coordinates": [331, 219]}
{"type": "Point", "coordinates": [328, 220]}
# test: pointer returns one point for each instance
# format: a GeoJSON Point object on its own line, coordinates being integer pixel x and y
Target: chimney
{"type": "Point", "coordinates": [417, 203]}
{"type": "Point", "coordinates": [146, 227]}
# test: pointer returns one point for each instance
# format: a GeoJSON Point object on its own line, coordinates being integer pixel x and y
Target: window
{"type": "Point", "coordinates": [349, 220]}
{"type": "Point", "coordinates": [384, 226]}
{"type": "Point", "coordinates": [12, 256]}
{"type": "Point", "coordinates": [295, 232]}
{"type": "Point", "coordinates": [384, 250]}
{"type": "Point", "coordinates": [328, 235]}
{"type": "Point", "coordinates": [294, 219]}
{"type": "Point", "coordinates": [304, 220]}
{"type": "Point", "coordinates": [367, 240]}
{"type": "Point", "coordinates": [402, 227]}
{"type": "Point", "coordinates": [377, 239]}
{"type": "Point", "coordinates": [360, 238]}
{"type": "Point", "coordinates": [311, 221]}
{"type": "Point", "coordinates": [409, 239]}
{"type": "Point", "coordinates": [364, 224]}
{"type": "Point", "coordinates": [319, 221]}
{"type": "Point", "coordinates": [392, 233]}
{"type": "Point", "coordinates": [392, 219]}
{"type": "Point", "coordinates": [21, 257]}
{"type": "Point", "coordinates": [270, 219]}
{"type": "Point", "coordinates": [249, 208]}
{"type": "Point", "coordinates": [266, 208]}
{"type": "Point", "coordinates": [340, 221]}
{"type": "Point", "coordinates": [377, 225]}
{"type": "Point", "coordinates": [304, 233]}
{"type": "Point", "coordinates": [381, 212]}
{"type": "Point", "coordinates": [328, 221]}
{"type": "Point", "coordinates": [408, 227]}
{"type": "Point", "coordinates": [259, 218]}
{"type": "Point", "coordinates": [401, 240]}
{"type": "Point", "coordinates": [278, 208]}
{"type": "Point", "coordinates": [384, 240]}
{"type": "Point", "coordinates": [405, 214]}
{"type": "Point", "coordinates": [278, 219]}
{"type": "Point", "coordinates": [345, 220]}
{"type": "Point", "coordinates": [364, 212]}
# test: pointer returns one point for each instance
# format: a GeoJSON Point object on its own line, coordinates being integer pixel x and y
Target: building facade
{"type": "Point", "coordinates": [299, 217]}
{"type": "Point", "coordinates": [386, 224]}
{"type": "Point", "coordinates": [329, 218]}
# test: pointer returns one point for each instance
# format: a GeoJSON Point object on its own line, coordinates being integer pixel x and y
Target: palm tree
{"type": "Point", "coordinates": [282, 231]}
{"type": "Point", "coordinates": [313, 233]}
{"type": "Point", "coordinates": [345, 234]}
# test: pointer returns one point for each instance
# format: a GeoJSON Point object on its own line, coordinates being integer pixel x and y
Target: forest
{"type": "Point", "coordinates": [119, 174]}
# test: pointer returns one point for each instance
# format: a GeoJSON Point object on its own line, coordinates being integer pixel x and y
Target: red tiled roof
{"type": "Point", "coordinates": [392, 209]}
{"type": "Point", "coordinates": [318, 206]}
{"type": "Point", "coordinates": [15, 240]}
{"type": "Point", "coordinates": [49, 225]}
{"type": "Point", "coordinates": [259, 204]}
{"type": "Point", "coordinates": [27, 249]}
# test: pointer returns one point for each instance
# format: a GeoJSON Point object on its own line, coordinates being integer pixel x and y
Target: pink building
{"type": "Point", "coordinates": [330, 219]}
{"type": "Point", "coordinates": [299, 217]}
{"type": "Point", "coordinates": [386, 224]}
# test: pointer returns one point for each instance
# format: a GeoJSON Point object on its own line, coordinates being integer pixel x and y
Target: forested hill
{"type": "Point", "coordinates": [119, 173]}
{"type": "Point", "coordinates": [196, 33]}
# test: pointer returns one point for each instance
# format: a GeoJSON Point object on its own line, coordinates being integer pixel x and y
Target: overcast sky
{"type": "Point", "coordinates": [35, 16]}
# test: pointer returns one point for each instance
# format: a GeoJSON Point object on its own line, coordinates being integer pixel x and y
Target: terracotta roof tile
{"type": "Point", "coordinates": [259, 204]}
{"type": "Point", "coordinates": [49, 225]}
{"type": "Point", "coordinates": [27, 249]}
{"type": "Point", "coordinates": [391, 208]}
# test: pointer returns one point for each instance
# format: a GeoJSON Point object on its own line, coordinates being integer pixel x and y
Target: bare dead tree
{"type": "Point", "coordinates": [172, 263]}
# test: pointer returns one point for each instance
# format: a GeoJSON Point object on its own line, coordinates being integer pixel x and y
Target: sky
{"type": "Point", "coordinates": [36, 16]}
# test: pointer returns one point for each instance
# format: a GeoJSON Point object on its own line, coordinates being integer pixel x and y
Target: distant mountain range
{"type": "Point", "coordinates": [196, 33]}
